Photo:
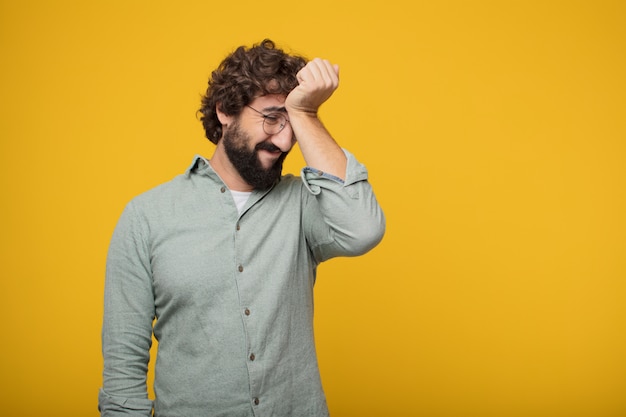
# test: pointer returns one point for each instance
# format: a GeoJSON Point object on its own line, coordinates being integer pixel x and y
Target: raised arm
{"type": "Point", "coordinates": [345, 218]}
{"type": "Point", "coordinates": [318, 80]}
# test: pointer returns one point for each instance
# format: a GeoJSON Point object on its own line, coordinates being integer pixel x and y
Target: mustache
{"type": "Point", "coordinates": [267, 146]}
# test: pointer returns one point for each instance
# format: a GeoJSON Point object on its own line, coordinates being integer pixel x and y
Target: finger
{"type": "Point", "coordinates": [329, 78]}
{"type": "Point", "coordinates": [324, 72]}
{"type": "Point", "coordinates": [332, 72]}
{"type": "Point", "coordinates": [305, 74]}
{"type": "Point", "coordinates": [313, 69]}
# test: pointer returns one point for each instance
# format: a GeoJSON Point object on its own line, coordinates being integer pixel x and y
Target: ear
{"type": "Point", "coordinates": [224, 119]}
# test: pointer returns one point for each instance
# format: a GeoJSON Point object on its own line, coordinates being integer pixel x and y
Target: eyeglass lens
{"type": "Point", "coordinates": [274, 123]}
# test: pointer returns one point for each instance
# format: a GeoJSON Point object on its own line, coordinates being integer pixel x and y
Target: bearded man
{"type": "Point", "coordinates": [219, 263]}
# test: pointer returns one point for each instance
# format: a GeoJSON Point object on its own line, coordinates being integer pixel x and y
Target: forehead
{"type": "Point", "coordinates": [269, 102]}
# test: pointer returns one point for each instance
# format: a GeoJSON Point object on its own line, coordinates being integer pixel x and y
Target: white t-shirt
{"type": "Point", "coordinates": [240, 198]}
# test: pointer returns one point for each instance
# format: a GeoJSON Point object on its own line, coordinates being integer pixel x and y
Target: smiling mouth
{"type": "Point", "coordinates": [269, 148]}
{"type": "Point", "coordinates": [263, 146]}
{"type": "Point", "coordinates": [270, 157]}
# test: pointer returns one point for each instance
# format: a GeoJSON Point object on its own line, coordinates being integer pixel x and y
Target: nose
{"type": "Point", "coordinates": [284, 139]}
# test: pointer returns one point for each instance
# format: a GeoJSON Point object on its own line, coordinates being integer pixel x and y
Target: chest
{"type": "Point", "coordinates": [203, 254]}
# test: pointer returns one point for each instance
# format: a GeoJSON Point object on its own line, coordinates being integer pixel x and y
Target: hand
{"type": "Point", "coordinates": [318, 80]}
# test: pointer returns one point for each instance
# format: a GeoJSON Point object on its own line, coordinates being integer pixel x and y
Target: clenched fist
{"type": "Point", "coordinates": [318, 80]}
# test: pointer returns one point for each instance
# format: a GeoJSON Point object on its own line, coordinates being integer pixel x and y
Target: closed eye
{"type": "Point", "coordinates": [274, 118]}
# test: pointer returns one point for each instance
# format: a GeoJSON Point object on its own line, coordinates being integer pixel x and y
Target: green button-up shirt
{"type": "Point", "coordinates": [228, 295]}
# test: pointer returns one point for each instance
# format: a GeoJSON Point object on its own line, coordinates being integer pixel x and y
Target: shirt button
{"type": "Point", "coordinates": [256, 401]}
{"type": "Point", "coordinates": [246, 312]}
{"type": "Point", "coordinates": [252, 357]}
{"type": "Point", "coordinates": [240, 268]}
{"type": "Point", "coordinates": [223, 189]}
{"type": "Point", "coordinates": [238, 227]}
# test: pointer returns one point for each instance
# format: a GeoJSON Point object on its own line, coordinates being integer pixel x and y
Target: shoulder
{"type": "Point", "coordinates": [289, 180]}
{"type": "Point", "coordinates": [289, 184]}
{"type": "Point", "coordinates": [165, 201]}
{"type": "Point", "coordinates": [162, 192]}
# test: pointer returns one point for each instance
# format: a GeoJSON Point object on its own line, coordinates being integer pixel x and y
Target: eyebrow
{"type": "Point", "coordinates": [274, 109]}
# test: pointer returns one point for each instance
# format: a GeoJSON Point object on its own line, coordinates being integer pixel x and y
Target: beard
{"type": "Point", "coordinates": [246, 161]}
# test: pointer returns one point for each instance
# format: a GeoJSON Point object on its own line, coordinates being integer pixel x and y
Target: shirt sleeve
{"type": "Point", "coordinates": [128, 316]}
{"type": "Point", "coordinates": [343, 218]}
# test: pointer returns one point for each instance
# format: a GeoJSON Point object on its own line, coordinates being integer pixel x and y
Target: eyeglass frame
{"type": "Point", "coordinates": [273, 115]}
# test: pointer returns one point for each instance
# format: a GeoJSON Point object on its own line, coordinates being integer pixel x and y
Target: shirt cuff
{"type": "Point", "coordinates": [355, 172]}
{"type": "Point", "coordinates": [110, 405]}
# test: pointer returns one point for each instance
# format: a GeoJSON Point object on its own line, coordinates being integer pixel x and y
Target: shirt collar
{"type": "Point", "coordinates": [199, 165]}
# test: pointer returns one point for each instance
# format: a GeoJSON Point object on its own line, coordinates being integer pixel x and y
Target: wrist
{"type": "Point", "coordinates": [302, 114]}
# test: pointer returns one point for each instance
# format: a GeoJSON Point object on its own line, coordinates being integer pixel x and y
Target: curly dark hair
{"type": "Point", "coordinates": [243, 75]}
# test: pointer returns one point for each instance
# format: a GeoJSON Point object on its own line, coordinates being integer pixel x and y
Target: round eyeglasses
{"type": "Point", "coordinates": [273, 123]}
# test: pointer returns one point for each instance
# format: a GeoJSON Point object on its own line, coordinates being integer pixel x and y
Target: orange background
{"type": "Point", "coordinates": [494, 133]}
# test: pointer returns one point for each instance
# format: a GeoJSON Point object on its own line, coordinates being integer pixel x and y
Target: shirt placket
{"type": "Point", "coordinates": [249, 321]}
